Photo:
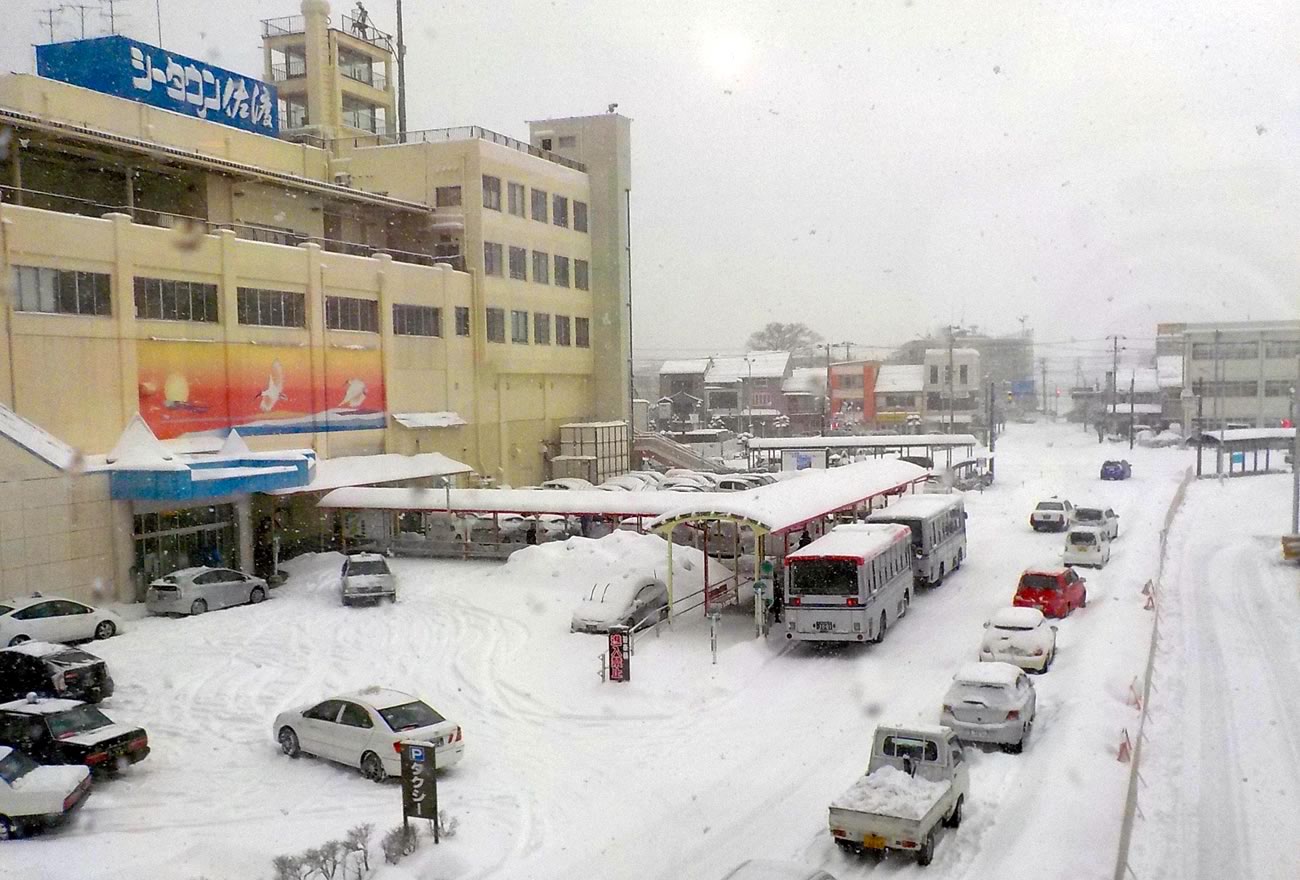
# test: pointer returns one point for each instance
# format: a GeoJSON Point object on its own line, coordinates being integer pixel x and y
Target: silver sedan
{"type": "Point", "coordinates": [196, 590]}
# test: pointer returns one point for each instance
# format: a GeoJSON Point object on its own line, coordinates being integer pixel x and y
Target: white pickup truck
{"type": "Point", "coordinates": [917, 778]}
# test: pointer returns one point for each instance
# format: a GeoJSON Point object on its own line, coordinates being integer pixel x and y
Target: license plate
{"type": "Point", "coordinates": [823, 626]}
{"type": "Point", "coordinates": [873, 841]}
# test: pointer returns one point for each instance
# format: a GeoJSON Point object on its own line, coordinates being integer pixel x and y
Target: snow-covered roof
{"type": "Point", "coordinates": [138, 449]}
{"type": "Point", "coordinates": [900, 379]}
{"type": "Point", "coordinates": [379, 697]}
{"type": "Point", "coordinates": [684, 367]}
{"type": "Point", "coordinates": [1169, 370]}
{"type": "Point", "coordinates": [1141, 409]}
{"type": "Point", "coordinates": [1238, 434]}
{"type": "Point", "coordinates": [863, 441]}
{"type": "Point", "coordinates": [37, 440]}
{"type": "Point", "coordinates": [42, 706]}
{"type": "Point", "coordinates": [995, 673]}
{"type": "Point", "coordinates": [442, 419]}
{"type": "Point", "coordinates": [1053, 569]}
{"type": "Point", "coordinates": [573, 502]}
{"type": "Point", "coordinates": [916, 507]}
{"type": "Point", "coordinates": [362, 470]}
{"type": "Point", "coordinates": [729, 369]}
{"type": "Point", "coordinates": [805, 380]}
{"type": "Point", "coordinates": [792, 503]}
{"type": "Point", "coordinates": [860, 541]}
{"type": "Point", "coordinates": [1145, 380]}
{"type": "Point", "coordinates": [1017, 618]}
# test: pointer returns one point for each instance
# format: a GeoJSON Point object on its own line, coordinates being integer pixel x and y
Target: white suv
{"type": "Point", "coordinates": [1053, 515]}
{"type": "Point", "coordinates": [366, 578]}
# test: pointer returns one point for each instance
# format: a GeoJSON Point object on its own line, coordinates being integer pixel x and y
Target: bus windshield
{"type": "Point", "coordinates": [824, 577]}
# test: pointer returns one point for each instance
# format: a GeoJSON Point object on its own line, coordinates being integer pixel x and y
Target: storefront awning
{"type": "Point", "coordinates": [368, 470]}
{"type": "Point", "coordinates": [429, 419]}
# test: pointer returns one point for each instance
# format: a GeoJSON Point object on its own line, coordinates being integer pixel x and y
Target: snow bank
{"type": "Point", "coordinates": [890, 792]}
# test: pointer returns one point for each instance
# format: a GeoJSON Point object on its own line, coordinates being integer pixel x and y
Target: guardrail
{"type": "Point", "coordinates": [1131, 797]}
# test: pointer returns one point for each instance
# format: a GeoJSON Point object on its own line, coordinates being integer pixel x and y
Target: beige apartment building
{"type": "Point", "coordinates": [331, 289]}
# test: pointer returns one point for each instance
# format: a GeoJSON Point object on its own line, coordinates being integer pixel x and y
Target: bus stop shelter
{"type": "Point", "coordinates": [942, 450]}
{"type": "Point", "coordinates": [1238, 451]}
{"type": "Point", "coordinates": [774, 512]}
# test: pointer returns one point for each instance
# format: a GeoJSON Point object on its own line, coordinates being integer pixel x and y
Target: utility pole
{"type": "Point", "coordinates": [48, 20]}
{"type": "Point", "coordinates": [952, 375]}
{"type": "Point", "coordinates": [993, 420]}
{"type": "Point", "coordinates": [157, 11]}
{"type": "Point", "coordinates": [848, 352]}
{"type": "Point", "coordinates": [1200, 422]}
{"type": "Point", "coordinates": [1218, 386]}
{"type": "Point", "coordinates": [1295, 457]}
{"type": "Point", "coordinates": [401, 78]}
{"type": "Point", "coordinates": [1042, 364]}
{"type": "Point", "coordinates": [826, 398]}
{"type": "Point", "coordinates": [112, 13]}
{"type": "Point", "coordinates": [1112, 390]}
{"type": "Point", "coordinates": [1132, 381]}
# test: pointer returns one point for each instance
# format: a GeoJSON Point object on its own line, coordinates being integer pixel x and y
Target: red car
{"type": "Point", "coordinates": [1056, 591]}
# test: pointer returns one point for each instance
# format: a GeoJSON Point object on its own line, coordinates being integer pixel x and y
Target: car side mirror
{"type": "Point", "coordinates": [986, 624]}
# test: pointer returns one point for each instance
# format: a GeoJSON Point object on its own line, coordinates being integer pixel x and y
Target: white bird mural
{"type": "Point", "coordinates": [353, 395]}
{"type": "Point", "coordinates": [274, 391]}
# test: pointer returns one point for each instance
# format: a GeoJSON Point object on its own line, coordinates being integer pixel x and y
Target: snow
{"type": "Point", "coordinates": [916, 506]}
{"type": "Point", "coordinates": [684, 367]}
{"type": "Point", "coordinates": [900, 379]}
{"type": "Point", "coordinates": [1141, 409]}
{"type": "Point", "coordinates": [888, 791]}
{"type": "Point", "coordinates": [37, 649]}
{"type": "Point", "coordinates": [99, 734]}
{"type": "Point", "coordinates": [233, 446]}
{"type": "Point", "coordinates": [360, 470]}
{"type": "Point", "coordinates": [572, 777]}
{"type": "Point", "coordinates": [1237, 434]}
{"type": "Point", "coordinates": [1017, 618]}
{"type": "Point", "coordinates": [138, 449]}
{"type": "Point", "coordinates": [865, 441]}
{"type": "Point", "coordinates": [574, 502]}
{"type": "Point", "coordinates": [42, 706]}
{"type": "Point", "coordinates": [1221, 762]}
{"type": "Point", "coordinates": [378, 697]}
{"type": "Point", "coordinates": [37, 440]}
{"type": "Point", "coordinates": [444, 419]}
{"type": "Point", "coordinates": [1169, 370]}
{"type": "Point", "coordinates": [730, 369]}
{"type": "Point", "coordinates": [232, 473]}
{"type": "Point", "coordinates": [1000, 674]}
{"type": "Point", "coordinates": [859, 541]}
{"type": "Point", "coordinates": [805, 380]}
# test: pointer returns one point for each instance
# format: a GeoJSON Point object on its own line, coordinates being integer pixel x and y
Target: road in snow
{"type": "Point", "coordinates": [682, 773]}
{"type": "Point", "coordinates": [1222, 759]}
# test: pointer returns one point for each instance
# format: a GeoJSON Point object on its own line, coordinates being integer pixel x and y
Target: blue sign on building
{"type": "Point", "coordinates": [139, 72]}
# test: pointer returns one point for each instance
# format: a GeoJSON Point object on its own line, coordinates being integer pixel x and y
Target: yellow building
{"type": "Point", "coordinates": [338, 288]}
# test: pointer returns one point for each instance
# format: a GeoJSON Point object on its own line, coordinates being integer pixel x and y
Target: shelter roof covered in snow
{"type": "Point", "coordinates": [362, 470]}
{"type": "Point", "coordinates": [37, 440]}
{"type": "Point", "coordinates": [864, 441]}
{"type": "Point", "coordinates": [572, 502]}
{"type": "Point", "coordinates": [900, 379]}
{"type": "Point", "coordinates": [428, 419]}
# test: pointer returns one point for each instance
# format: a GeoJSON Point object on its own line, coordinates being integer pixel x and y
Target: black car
{"type": "Point", "coordinates": [50, 670]}
{"type": "Point", "coordinates": [70, 732]}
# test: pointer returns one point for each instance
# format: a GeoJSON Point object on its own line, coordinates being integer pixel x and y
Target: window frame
{"type": "Point", "coordinates": [519, 327]}
{"type": "Point", "coordinates": [410, 319]}
{"type": "Point", "coordinates": [541, 328]}
{"type": "Point", "coordinates": [581, 274]}
{"type": "Point", "coordinates": [491, 192]}
{"type": "Point", "coordinates": [354, 309]}
{"type": "Point", "coordinates": [564, 330]}
{"type": "Point", "coordinates": [562, 274]}
{"type": "Point", "coordinates": [581, 332]}
{"type": "Point", "coordinates": [454, 196]}
{"type": "Point", "coordinates": [581, 217]}
{"type": "Point", "coordinates": [99, 289]}
{"type": "Point", "coordinates": [494, 259]}
{"type": "Point", "coordinates": [560, 210]}
{"type": "Point", "coordinates": [516, 199]}
{"type": "Point", "coordinates": [462, 321]}
{"type": "Point", "coordinates": [265, 304]}
{"type": "Point", "coordinates": [542, 198]}
{"type": "Point", "coordinates": [520, 272]}
{"type": "Point", "coordinates": [495, 319]}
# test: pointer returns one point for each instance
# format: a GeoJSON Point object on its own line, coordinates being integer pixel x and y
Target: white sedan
{"type": "Point", "coordinates": [33, 796]}
{"type": "Point", "coordinates": [1020, 636]}
{"type": "Point", "coordinates": [366, 729]}
{"type": "Point", "coordinates": [1099, 517]}
{"type": "Point", "coordinates": [990, 703]}
{"type": "Point", "coordinates": [196, 590]}
{"type": "Point", "coordinates": [52, 619]}
{"type": "Point", "coordinates": [631, 602]}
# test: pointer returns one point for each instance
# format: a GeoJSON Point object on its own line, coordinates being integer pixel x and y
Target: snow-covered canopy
{"type": "Point", "coordinates": [527, 502]}
{"type": "Point", "coordinates": [900, 379]}
{"type": "Point", "coordinates": [874, 441]}
{"type": "Point", "coordinates": [792, 503]}
{"type": "Point", "coordinates": [1240, 435]}
{"type": "Point", "coordinates": [1141, 409]}
{"type": "Point", "coordinates": [37, 440]}
{"type": "Point", "coordinates": [444, 419]}
{"type": "Point", "coordinates": [362, 470]}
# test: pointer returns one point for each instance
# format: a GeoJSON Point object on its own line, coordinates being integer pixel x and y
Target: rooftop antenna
{"type": "Point", "coordinates": [401, 77]}
{"type": "Point", "coordinates": [157, 11]}
{"type": "Point", "coordinates": [81, 8]}
{"type": "Point", "coordinates": [48, 20]}
{"type": "Point", "coordinates": [111, 13]}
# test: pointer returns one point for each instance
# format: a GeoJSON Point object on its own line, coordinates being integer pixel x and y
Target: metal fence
{"type": "Point", "coordinates": [1131, 798]}
{"type": "Point", "coordinates": [461, 133]}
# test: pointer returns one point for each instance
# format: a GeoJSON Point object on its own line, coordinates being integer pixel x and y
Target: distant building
{"type": "Point", "coordinates": [852, 391]}
{"type": "Point", "coordinates": [953, 390]}
{"type": "Point", "coordinates": [1006, 361]}
{"type": "Point", "coordinates": [805, 400]}
{"type": "Point", "coordinates": [900, 396]}
{"type": "Point", "coordinates": [742, 392]}
{"type": "Point", "coordinates": [1238, 372]}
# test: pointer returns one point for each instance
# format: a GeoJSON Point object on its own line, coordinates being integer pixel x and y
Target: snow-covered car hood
{"type": "Point", "coordinates": [98, 735]}
{"type": "Point", "coordinates": [59, 780]}
{"type": "Point", "coordinates": [591, 611]}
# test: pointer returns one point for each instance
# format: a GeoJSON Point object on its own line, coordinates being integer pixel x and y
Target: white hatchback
{"type": "Point", "coordinates": [1086, 546]}
{"type": "Point", "coordinates": [365, 730]}
{"type": "Point", "coordinates": [1020, 636]}
{"type": "Point", "coordinates": [52, 619]}
{"type": "Point", "coordinates": [990, 703]}
{"type": "Point", "coordinates": [33, 796]}
{"type": "Point", "coordinates": [1099, 517]}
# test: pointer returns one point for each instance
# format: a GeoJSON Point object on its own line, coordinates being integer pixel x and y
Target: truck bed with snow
{"type": "Point", "coordinates": [917, 779]}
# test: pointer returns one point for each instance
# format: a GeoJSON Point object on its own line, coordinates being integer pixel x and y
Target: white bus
{"type": "Point", "coordinates": [850, 585]}
{"type": "Point", "coordinates": [938, 524]}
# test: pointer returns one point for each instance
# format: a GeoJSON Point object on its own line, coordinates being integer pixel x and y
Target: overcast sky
{"type": "Point", "coordinates": [877, 170]}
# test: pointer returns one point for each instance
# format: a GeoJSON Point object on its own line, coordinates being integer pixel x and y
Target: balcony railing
{"type": "Point", "coordinates": [365, 31]}
{"type": "Point", "coordinates": [65, 204]}
{"type": "Point", "coordinates": [283, 27]}
{"type": "Point", "coordinates": [368, 75]}
{"type": "Point", "coordinates": [291, 69]}
{"type": "Point", "coordinates": [460, 133]}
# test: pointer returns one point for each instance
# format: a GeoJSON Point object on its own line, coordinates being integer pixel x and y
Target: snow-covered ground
{"type": "Point", "coordinates": [1222, 761]}
{"type": "Point", "coordinates": [681, 773]}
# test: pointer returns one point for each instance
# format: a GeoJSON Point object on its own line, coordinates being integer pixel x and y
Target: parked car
{"type": "Point", "coordinates": [632, 602]}
{"type": "Point", "coordinates": [626, 482]}
{"type": "Point", "coordinates": [1085, 545]}
{"type": "Point", "coordinates": [1053, 590]}
{"type": "Point", "coordinates": [1099, 517]}
{"type": "Point", "coordinates": [53, 670]}
{"type": "Point", "coordinates": [201, 589]}
{"type": "Point", "coordinates": [366, 578]}
{"type": "Point", "coordinates": [1116, 470]}
{"type": "Point", "coordinates": [70, 732]}
{"type": "Point", "coordinates": [567, 483]}
{"type": "Point", "coordinates": [990, 703]}
{"type": "Point", "coordinates": [33, 796]}
{"type": "Point", "coordinates": [1020, 636]}
{"type": "Point", "coordinates": [763, 869]}
{"type": "Point", "coordinates": [917, 779]}
{"type": "Point", "coordinates": [365, 730]}
{"type": "Point", "coordinates": [1052, 515]}
{"type": "Point", "coordinates": [52, 619]}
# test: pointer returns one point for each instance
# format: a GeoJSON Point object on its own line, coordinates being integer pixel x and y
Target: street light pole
{"type": "Point", "coordinates": [749, 395]}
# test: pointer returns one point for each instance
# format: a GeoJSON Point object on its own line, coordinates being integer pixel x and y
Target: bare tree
{"type": "Point", "coordinates": [777, 336]}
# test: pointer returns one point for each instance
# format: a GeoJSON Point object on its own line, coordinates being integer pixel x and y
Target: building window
{"type": "Point", "coordinates": [962, 374]}
{"type": "Point", "coordinates": [462, 320]}
{"type": "Point", "coordinates": [561, 271]}
{"type": "Point", "coordinates": [519, 327]}
{"type": "Point", "coordinates": [1226, 351]}
{"type": "Point", "coordinates": [541, 328]}
{"type": "Point", "coordinates": [541, 267]}
{"type": "Point", "coordinates": [351, 313]}
{"type": "Point", "coordinates": [519, 263]}
{"type": "Point", "coordinates": [1224, 389]}
{"type": "Point", "coordinates": [568, 141]}
{"type": "Point", "coordinates": [491, 258]}
{"type": "Point", "coordinates": [1282, 348]}
{"type": "Point", "coordinates": [417, 320]}
{"type": "Point", "coordinates": [582, 332]}
{"type": "Point", "coordinates": [492, 192]}
{"type": "Point", "coordinates": [515, 198]}
{"type": "Point", "coordinates": [580, 216]}
{"type": "Point", "coordinates": [562, 336]}
{"type": "Point", "coordinates": [1278, 387]}
{"type": "Point", "coordinates": [271, 308]}
{"type": "Point", "coordinates": [561, 211]}
{"type": "Point", "coordinates": [934, 375]}
{"type": "Point", "coordinates": [63, 292]}
{"type": "Point", "coordinates": [446, 197]}
{"type": "Point", "coordinates": [539, 205]}
{"type": "Point", "coordinates": [496, 325]}
{"type": "Point", "coordinates": [162, 299]}
{"type": "Point", "coordinates": [581, 275]}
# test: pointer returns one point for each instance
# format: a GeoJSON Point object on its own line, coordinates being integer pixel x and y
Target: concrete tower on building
{"type": "Point", "coordinates": [604, 145]}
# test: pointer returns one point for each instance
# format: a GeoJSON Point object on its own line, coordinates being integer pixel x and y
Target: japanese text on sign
{"type": "Point", "coordinates": [620, 668]}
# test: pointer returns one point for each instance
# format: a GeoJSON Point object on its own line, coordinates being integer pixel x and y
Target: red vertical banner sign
{"type": "Point", "coordinates": [620, 660]}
